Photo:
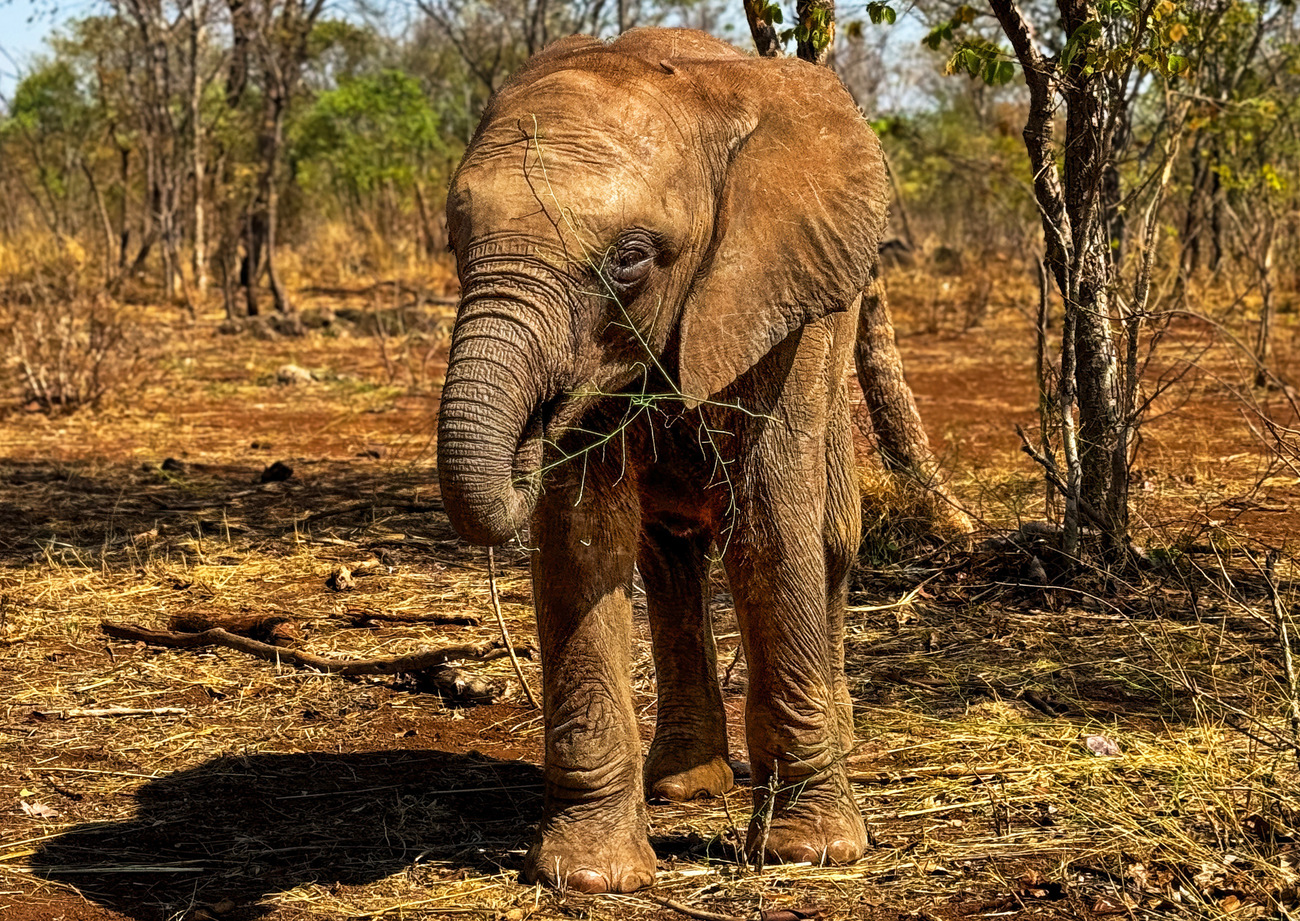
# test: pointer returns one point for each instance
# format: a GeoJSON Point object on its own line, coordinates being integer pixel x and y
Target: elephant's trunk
{"type": "Point", "coordinates": [490, 424]}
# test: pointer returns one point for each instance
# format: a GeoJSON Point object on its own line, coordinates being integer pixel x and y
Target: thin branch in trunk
{"type": "Point", "coordinates": [505, 633]}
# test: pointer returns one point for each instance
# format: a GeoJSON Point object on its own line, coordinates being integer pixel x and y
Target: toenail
{"type": "Point", "coordinates": [587, 881]}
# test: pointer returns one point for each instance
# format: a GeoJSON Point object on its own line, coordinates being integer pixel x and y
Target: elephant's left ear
{"type": "Point", "coordinates": [800, 212]}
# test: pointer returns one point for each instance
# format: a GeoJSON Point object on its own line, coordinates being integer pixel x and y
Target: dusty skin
{"type": "Point", "coordinates": [659, 299]}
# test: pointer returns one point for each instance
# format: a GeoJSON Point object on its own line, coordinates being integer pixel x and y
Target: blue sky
{"type": "Point", "coordinates": [20, 38]}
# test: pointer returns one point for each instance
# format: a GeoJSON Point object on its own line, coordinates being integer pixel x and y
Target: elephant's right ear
{"type": "Point", "coordinates": [799, 214]}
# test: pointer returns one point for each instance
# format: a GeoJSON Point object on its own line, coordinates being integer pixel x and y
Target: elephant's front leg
{"type": "Point", "coordinates": [593, 831]}
{"type": "Point", "coordinates": [776, 560]}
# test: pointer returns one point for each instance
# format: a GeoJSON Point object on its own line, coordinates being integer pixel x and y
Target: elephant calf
{"type": "Point", "coordinates": [662, 245]}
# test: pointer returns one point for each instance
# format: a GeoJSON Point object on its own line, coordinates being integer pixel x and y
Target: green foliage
{"type": "Point", "coordinates": [962, 173]}
{"type": "Point", "coordinates": [368, 132]}
{"type": "Point", "coordinates": [339, 50]}
{"type": "Point", "coordinates": [982, 60]}
{"type": "Point", "coordinates": [817, 29]}
{"type": "Point", "coordinates": [771, 14]}
{"type": "Point", "coordinates": [1121, 38]}
{"type": "Point", "coordinates": [879, 11]}
{"type": "Point", "coordinates": [49, 101]}
{"type": "Point", "coordinates": [49, 132]}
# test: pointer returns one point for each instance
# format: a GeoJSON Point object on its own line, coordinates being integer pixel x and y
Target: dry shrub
{"type": "Point", "coordinates": [901, 516]}
{"type": "Point", "coordinates": [65, 345]}
{"type": "Point", "coordinates": [334, 253]}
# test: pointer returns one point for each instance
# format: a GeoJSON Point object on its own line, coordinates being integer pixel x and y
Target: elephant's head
{"type": "Point", "coordinates": [659, 204]}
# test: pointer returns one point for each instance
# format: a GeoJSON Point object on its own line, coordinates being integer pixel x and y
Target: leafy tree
{"type": "Point", "coordinates": [51, 125]}
{"type": "Point", "coordinates": [368, 132]}
{"type": "Point", "coordinates": [371, 136]}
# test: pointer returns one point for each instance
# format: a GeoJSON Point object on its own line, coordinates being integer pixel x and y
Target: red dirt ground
{"type": "Point", "coordinates": [71, 485]}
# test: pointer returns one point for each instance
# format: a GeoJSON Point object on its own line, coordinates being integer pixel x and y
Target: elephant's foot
{"type": "Point", "coordinates": [681, 772]}
{"type": "Point", "coordinates": [809, 824]}
{"type": "Point", "coordinates": [598, 853]}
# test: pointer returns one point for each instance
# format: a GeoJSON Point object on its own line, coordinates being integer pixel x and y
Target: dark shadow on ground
{"type": "Point", "coordinates": [115, 514]}
{"type": "Point", "coordinates": [238, 828]}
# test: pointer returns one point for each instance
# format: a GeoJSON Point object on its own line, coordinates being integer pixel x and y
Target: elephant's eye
{"type": "Point", "coordinates": [632, 260]}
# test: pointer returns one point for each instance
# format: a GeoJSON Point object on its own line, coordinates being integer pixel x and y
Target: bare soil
{"type": "Point", "coordinates": [983, 696]}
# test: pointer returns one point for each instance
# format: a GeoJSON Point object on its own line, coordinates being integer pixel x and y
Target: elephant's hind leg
{"type": "Point", "coordinates": [593, 834]}
{"type": "Point", "coordinates": [688, 757]}
{"type": "Point", "coordinates": [843, 534]}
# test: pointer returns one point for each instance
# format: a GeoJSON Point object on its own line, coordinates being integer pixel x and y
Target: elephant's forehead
{"type": "Point", "coordinates": [570, 153]}
{"type": "Point", "coordinates": [591, 113]}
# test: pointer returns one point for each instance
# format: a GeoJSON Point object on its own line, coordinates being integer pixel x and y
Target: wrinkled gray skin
{"type": "Point", "coordinates": [663, 215]}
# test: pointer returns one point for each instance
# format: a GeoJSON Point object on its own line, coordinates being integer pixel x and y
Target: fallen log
{"type": "Point", "coordinates": [392, 665]}
{"type": "Point", "coordinates": [275, 629]}
{"type": "Point", "coordinates": [364, 618]}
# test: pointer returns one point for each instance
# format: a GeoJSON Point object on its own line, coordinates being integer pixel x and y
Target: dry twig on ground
{"type": "Point", "coordinates": [389, 665]}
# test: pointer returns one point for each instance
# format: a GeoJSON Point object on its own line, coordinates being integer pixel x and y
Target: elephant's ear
{"type": "Point", "coordinates": [800, 211]}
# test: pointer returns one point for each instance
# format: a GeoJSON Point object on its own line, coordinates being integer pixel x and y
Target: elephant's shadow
{"type": "Point", "coordinates": [237, 828]}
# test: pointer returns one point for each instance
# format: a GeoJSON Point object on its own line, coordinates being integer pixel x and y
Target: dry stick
{"type": "Point", "coordinates": [690, 912]}
{"type": "Point", "coordinates": [1284, 640]}
{"type": "Point", "coordinates": [361, 616]}
{"type": "Point", "coordinates": [741, 856]}
{"type": "Point", "coordinates": [923, 773]}
{"type": "Point", "coordinates": [1082, 504]}
{"type": "Point", "coordinates": [1054, 477]}
{"type": "Point", "coordinates": [1041, 369]}
{"type": "Point", "coordinates": [413, 662]}
{"type": "Point", "coordinates": [505, 634]}
{"type": "Point", "coordinates": [111, 711]}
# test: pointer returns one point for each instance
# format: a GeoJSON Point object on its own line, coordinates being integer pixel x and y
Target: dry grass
{"type": "Point", "coordinates": [287, 794]}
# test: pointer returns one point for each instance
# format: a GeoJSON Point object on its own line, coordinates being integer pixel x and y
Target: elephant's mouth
{"type": "Point", "coordinates": [546, 424]}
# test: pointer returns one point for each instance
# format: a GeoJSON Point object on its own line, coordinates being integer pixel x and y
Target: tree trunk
{"type": "Point", "coordinates": [1089, 131]}
{"type": "Point", "coordinates": [432, 237]}
{"type": "Point", "coordinates": [817, 20]}
{"type": "Point", "coordinates": [197, 165]}
{"type": "Point", "coordinates": [123, 227]}
{"type": "Point", "coordinates": [271, 175]}
{"type": "Point", "coordinates": [1076, 216]}
{"type": "Point", "coordinates": [766, 40]}
{"type": "Point", "coordinates": [1267, 305]}
{"type": "Point", "coordinates": [105, 221]}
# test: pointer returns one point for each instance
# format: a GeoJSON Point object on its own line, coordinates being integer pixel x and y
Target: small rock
{"type": "Point", "coordinates": [259, 328]}
{"type": "Point", "coordinates": [38, 810]}
{"type": "Point", "coordinates": [341, 580]}
{"type": "Point", "coordinates": [277, 472]}
{"type": "Point", "coordinates": [1101, 746]}
{"type": "Point", "coordinates": [317, 317]}
{"type": "Point", "coordinates": [288, 324]}
{"type": "Point", "coordinates": [172, 465]}
{"type": "Point", "coordinates": [292, 375]}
